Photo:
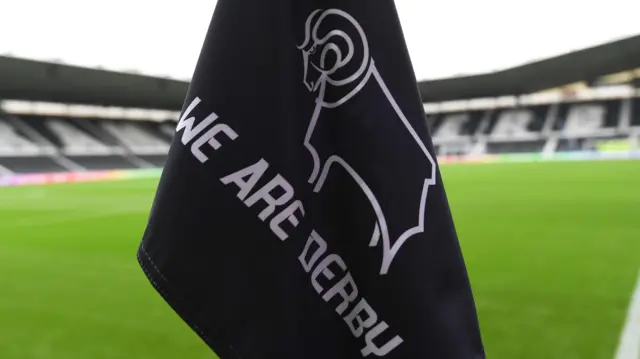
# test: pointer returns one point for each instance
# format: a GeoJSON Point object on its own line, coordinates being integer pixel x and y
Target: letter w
{"type": "Point", "coordinates": [187, 123]}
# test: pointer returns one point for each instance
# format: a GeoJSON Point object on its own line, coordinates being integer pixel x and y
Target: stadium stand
{"type": "Point", "coordinates": [589, 120]}
{"type": "Point", "coordinates": [67, 136]}
{"type": "Point", "coordinates": [53, 143]}
{"type": "Point", "coordinates": [56, 117]}
{"type": "Point", "coordinates": [14, 142]}
{"type": "Point", "coordinates": [37, 143]}
{"type": "Point", "coordinates": [135, 137]}
{"type": "Point", "coordinates": [167, 130]}
{"type": "Point", "coordinates": [563, 124]}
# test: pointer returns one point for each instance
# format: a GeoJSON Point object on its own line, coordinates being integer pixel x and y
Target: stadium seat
{"type": "Point", "coordinates": [584, 120]}
{"type": "Point", "coordinates": [73, 140]}
{"type": "Point", "coordinates": [101, 144]}
{"type": "Point", "coordinates": [136, 138]}
{"type": "Point", "coordinates": [517, 123]}
{"type": "Point", "coordinates": [513, 123]}
{"type": "Point", "coordinates": [13, 143]}
{"type": "Point", "coordinates": [168, 129]}
{"type": "Point", "coordinates": [95, 128]}
{"type": "Point", "coordinates": [472, 126]}
{"type": "Point", "coordinates": [451, 126]}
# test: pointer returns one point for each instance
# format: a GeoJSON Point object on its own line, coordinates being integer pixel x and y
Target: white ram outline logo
{"type": "Point", "coordinates": [313, 42]}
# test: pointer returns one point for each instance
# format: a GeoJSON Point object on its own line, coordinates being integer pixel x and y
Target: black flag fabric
{"type": "Point", "coordinates": [301, 213]}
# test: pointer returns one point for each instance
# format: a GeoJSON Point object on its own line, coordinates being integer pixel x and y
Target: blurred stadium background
{"type": "Point", "coordinates": [538, 161]}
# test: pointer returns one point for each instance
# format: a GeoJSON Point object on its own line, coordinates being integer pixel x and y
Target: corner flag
{"type": "Point", "coordinates": [301, 213]}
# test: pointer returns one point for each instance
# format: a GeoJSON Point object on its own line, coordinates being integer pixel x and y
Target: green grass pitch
{"type": "Point", "coordinates": [553, 250]}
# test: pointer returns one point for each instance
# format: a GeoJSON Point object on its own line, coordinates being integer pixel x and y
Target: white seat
{"type": "Point", "coordinates": [584, 119]}
{"type": "Point", "coordinates": [513, 123]}
{"type": "Point", "coordinates": [73, 139]}
{"type": "Point", "coordinates": [13, 144]}
{"type": "Point", "coordinates": [451, 126]}
{"type": "Point", "coordinates": [137, 138]}
{"type": "Point", "coordinates": [168, 129]}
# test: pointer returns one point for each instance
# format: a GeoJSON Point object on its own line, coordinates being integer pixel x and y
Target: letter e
{"type": "Point", "coordinates": [209, 137]}
{"type": "Point", "coordinates": [340, 289]}
{"type": "Point", "coordinates": [323, 268]}
{"type": "Point", "coordinates": [288, 214]}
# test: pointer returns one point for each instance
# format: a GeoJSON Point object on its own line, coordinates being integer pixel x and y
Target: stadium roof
{"type": "Point", "coordinates": [583, 65]}
{"type": "Point", "coordinates": [31, 80]}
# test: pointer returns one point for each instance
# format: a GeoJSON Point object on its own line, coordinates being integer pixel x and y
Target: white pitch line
{"type": "Point", "coordinates": [629, 346]}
